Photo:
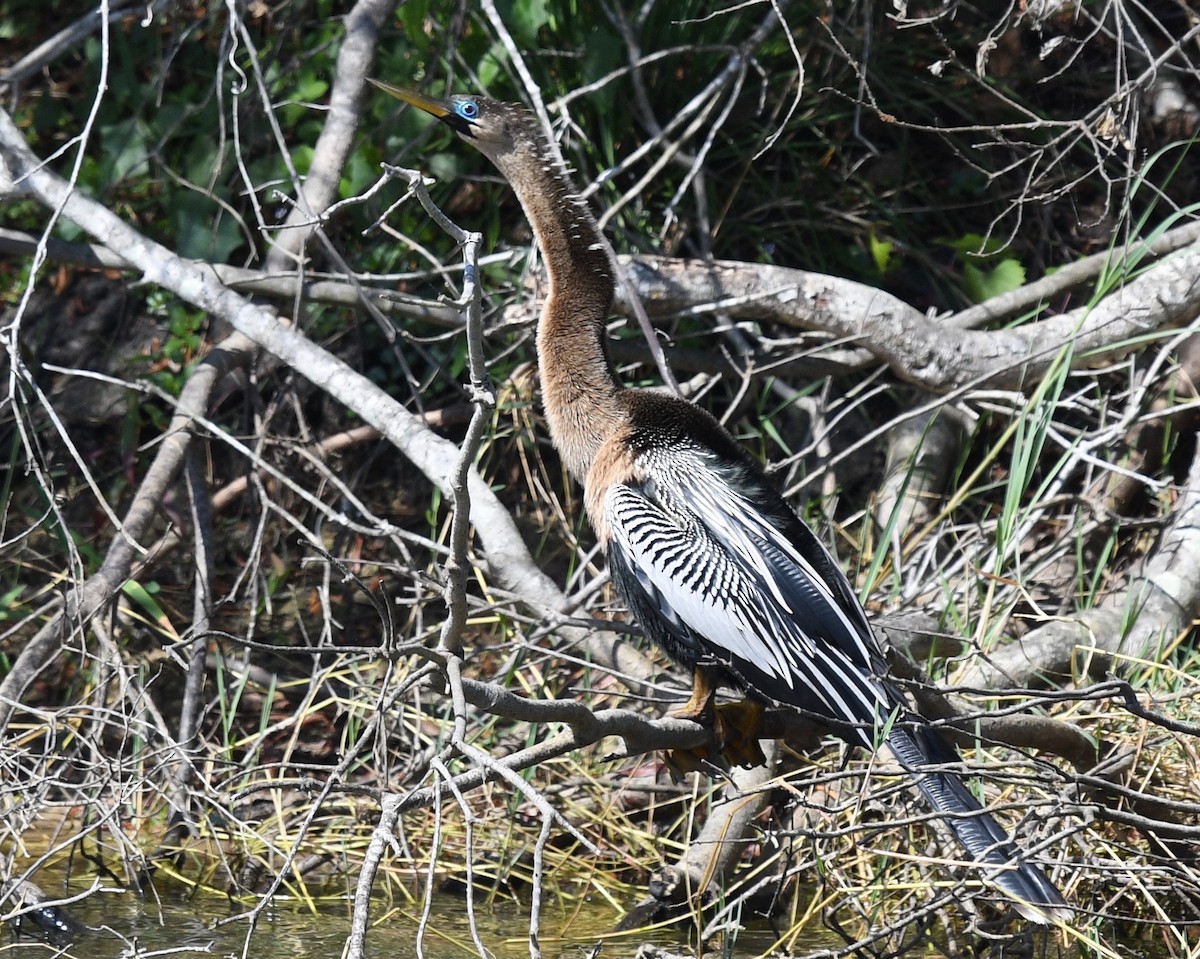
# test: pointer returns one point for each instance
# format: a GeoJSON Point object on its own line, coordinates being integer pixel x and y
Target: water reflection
{"type": "Point", "coordinates": [116, 924]}
{"type": "Point", "coordinates": [171, 921]}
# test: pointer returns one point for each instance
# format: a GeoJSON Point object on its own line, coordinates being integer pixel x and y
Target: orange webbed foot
{"type": "Point", "coordinates": [734, 725]}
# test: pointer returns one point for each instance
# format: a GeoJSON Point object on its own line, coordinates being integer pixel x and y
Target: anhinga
{"type": "Point", "coordinates": [714, 564]}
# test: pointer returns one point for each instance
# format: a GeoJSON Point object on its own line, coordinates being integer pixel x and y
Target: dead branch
{"type": "Point", "coordinates": [921, 451]}
{"type": "Point", "coordinates": [710, 859]}
{"type": "Point", "coordinates": [22, 173]}
{"type": "Point", "coordinates": [938, 355]}
{"type": "Point", "coordinates": [1142, 622]}
{"type": "Point", "coordinates": [923, 351]}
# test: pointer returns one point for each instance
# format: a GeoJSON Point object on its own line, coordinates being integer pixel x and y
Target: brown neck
{"type": "Point", "coordinates": [579, 389]}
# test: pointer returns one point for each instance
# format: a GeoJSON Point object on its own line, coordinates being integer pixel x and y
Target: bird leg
{"type": "Point", "coordinates": [734, 727]}
{"type": "Point", "coordinates": [700, 707]}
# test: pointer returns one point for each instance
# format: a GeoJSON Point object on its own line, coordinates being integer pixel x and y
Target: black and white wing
{"type": "Point", "coordinates": [729, 583]}
{"type": "Point", "coordinates": [717, 570]}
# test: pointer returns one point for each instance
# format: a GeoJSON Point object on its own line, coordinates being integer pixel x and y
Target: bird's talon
{"type": "Point", "coordinates": [735, 732]}
{"type": "Point", "coordinates": [736, 728]}
{"type": "Point", "coordinates": [694, 759]}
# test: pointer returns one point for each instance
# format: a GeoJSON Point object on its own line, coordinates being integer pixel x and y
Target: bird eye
{"type": "Point", "coordinates": [468, 109]}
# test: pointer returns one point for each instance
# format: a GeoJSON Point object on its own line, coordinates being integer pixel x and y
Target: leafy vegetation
{"type": "Point", "coordinates": [285, 597]}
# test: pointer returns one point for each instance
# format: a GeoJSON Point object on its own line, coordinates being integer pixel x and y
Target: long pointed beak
{"type": "Point", "coordinates": [439, 108]}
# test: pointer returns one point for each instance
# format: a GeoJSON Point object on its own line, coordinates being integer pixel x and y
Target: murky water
{"type": "Point", "coordinates": [120, 924]}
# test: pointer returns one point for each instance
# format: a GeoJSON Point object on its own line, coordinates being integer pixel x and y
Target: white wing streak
{"type": "Point", "coordinates": [724, 574]}
{"type": "Point", "coordinates": [717, 567]}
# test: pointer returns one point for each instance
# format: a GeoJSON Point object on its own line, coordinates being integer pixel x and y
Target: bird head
{"type": "Point", "coordinates": [492, 127]}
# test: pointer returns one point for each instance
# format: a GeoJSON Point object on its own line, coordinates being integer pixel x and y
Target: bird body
{"type": "Point", "coordinates": [712, 562]}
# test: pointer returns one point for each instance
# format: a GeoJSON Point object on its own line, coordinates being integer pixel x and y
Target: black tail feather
{"type": "Point", "coordinates": [984, 840]}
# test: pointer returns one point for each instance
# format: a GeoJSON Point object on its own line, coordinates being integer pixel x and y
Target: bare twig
{"type": "Point", "coordinates": [1142, 622]}
{"type": "Point", "coordinates": [923, 351]}
{"type": "Point", "coordinates": [70, 36]}
{"type": "Point", "coordinates": [30, 176]}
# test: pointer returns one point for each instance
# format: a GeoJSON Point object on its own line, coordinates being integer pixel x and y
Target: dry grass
{"type": "Point", "coordinates": [843, 844]}
{"type": "Point", "coordinates": [318, 700]}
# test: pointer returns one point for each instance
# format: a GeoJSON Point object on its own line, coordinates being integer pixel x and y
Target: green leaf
{"type": "Point", "coordinates": [143, 596]}
{"type": "Point", "coordinates": [9, 602]}
{"type": "Point", "coordinates": [982, 285]}
{"type": "Point", "coordinates": [526, 18]}
{"type": "Point", "coordinates": [361, 172]}
{"type": "Point", "coordinates": [973, 245]}
{"type": "Point", "coordinates": [490, 66]}
{"type": "Point", "coordinates": [881, 253]}
{"type": "Point", "coordinates": [205, 231]}
{"type": "Point", "coordinates": [414, 14]}
{"type": "Point", "coordinates": [125, 152]}
{"type": "Point", "coordinates": [310, 89]}
{"type": "Point", "coordinates": [302, 157]}
{"type": "Point", "coordinates": [1008, 275]}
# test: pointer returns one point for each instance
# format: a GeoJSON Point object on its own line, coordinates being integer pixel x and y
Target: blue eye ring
{"type": "Point", "coordinates": [467, 109]}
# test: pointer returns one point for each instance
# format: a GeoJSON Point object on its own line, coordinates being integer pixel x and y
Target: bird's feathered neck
{"type": "Point", "coordinates": [564, 224]}
{"type": "Point", "coordinates": [579, 388]}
